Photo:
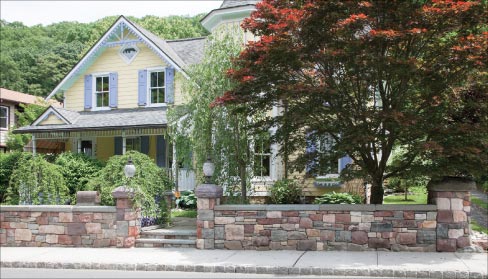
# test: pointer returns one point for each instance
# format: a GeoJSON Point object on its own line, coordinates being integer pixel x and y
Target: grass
{"type": "Point", "coordinates": [479, 202]}
{"type": "Point", "coordinates": [190, 213]}
{"type": "Point", "coordinates": [476, 227]}
{"type": "Point", "coordinates": [419, 197]}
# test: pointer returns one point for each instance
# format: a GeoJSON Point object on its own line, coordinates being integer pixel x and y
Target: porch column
{"type": "Point", "coordinates": [124, 142]}
{"type": "Point", "coordinates": [174, 167]}
{"type": "Point", "coordinates": [33, 145]}
{"type": "Point", "coordinates": [79, 145]}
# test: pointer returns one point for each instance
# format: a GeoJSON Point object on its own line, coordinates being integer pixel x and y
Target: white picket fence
{"type": "Point", "coordinates": [186, 180]}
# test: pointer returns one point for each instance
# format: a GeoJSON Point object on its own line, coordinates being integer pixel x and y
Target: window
{"type": "Point", "coordinates": [321, 160]}
{"type": "Point", "coordinates": [133, 144]}
{"type": "Point", "coordinates": [101, 91]}
{"type": "Point", "coordinates": [262, 156]}
{"type": "Point", "coordinates": [4, 117]}
{"type": "Point", "coordinates": [156, 87]}
{"type": "Point", "coordinates": [87, 147]}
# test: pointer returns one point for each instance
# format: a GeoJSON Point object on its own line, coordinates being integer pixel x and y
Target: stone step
{"type": "Point", "coordinates": [170, 232]}
{"type": "Point", "coordinates": [152, 242]}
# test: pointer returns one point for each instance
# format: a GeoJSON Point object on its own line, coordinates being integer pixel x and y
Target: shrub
{"type": "Point", "coordinates": [36, 181]}
{"type": "Point", "coordinates": [77, 169]}
{"type": "Point", "coordinates": [150, 182]}
{"type": "Point", "coordinates": [8, 161]}
{"type": "Point", "coordinates": [285, 192]}
{"type": "Point", "coordinates": [187, 200]}
{"type": "Point", "coordinates": [338, 198]}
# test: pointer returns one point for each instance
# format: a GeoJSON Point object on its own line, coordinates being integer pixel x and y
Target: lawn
{"type": "Point", "coordinates": [479, 202]}
{"type": "Point", "coordinates": [419, 196]}
{"type": "Point", "coordinates": [190, 213]}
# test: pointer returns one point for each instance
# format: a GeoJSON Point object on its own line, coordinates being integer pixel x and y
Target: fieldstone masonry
{"type": "Point", "coordinates": [441, 226]}
{"type": "Point", "coordinates": [71, 226]}
{"type": "Point", "coordinates": [452, 197]}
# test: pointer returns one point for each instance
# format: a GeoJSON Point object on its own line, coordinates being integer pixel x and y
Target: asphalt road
{"type": "Point", "coordinates": [82, 273]}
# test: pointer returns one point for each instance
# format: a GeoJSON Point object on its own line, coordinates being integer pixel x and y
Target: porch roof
{"type": "Point", "coordinates": [118, 119]}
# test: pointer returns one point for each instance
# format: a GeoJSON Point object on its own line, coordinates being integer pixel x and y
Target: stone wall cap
{"type": "Point", "coordinates": [208, 191]}
{"type": "Point", "coordinates": [407, 207]}
{"type": "Point", "coordinates": [347, 207]}
{"type": "Point", "coordinates": [57, 208]}
{"type": "Point", "coordinates": [451, 184]}
{"type": "Point", "coordinates": [123, 192]}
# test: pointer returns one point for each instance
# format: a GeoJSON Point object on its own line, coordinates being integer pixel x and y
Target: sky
{"type": "Point", "coordinates": [47, 12]}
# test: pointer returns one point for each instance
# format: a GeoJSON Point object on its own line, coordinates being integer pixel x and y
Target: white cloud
{"type": "Point", "coordinates": [47, 12]}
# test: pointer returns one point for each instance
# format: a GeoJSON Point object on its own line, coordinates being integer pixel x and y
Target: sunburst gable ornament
{"type": "Point", "coordinates": [128, 53]}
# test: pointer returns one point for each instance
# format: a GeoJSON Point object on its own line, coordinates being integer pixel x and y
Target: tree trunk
{"type": "Point", "coordinates": [377, 191]}
{"type": "Point", "coordinates": [242, 176]}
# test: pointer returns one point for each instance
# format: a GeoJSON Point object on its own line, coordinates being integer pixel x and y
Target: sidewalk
{"type": "Point", "coordinates": [338, 263]}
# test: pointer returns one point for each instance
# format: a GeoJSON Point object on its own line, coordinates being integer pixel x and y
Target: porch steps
{"type": "Point", "coordinates": [165, 238]}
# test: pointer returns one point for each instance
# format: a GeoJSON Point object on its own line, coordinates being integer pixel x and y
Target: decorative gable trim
{"type": "Point", "coordinates": [103, 43]}
{"type": "Point", "coordinates": [47, 113]}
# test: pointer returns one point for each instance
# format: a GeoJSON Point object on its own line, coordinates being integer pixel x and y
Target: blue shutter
{"type": "Point", "coordinates": [117, 145]}
{"type": "Point", "coordinates": [169, 93]}
{"type": "Point", "coordinates": [113, 86]}
{"type": "Point", "coordinates": [88, 91]}
{"type": "Point", "coordinates": [145, 144]}
{"type": "Point", "coordinates": [343, 162]}
{"type": "Point", "coordinates": [161, 151]}
{"type": "Point", "coordinates": [311, 147]}
{"type": "Point", "coordinates": [142, 92]}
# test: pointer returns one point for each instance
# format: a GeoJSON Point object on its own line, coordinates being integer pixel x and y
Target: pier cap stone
{"type": "Point", "coordinates": [451, 184]}
{"type": "Point", "coordinates": [87, 198]}
{"type": "Point", "coordinates": [209, 191]}
{"type": "Point", "coordinates": [123, 192]}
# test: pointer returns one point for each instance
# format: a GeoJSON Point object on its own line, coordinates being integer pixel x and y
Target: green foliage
{"type": "Point", "coordinates": [77, 169]}
{"type": "Point", "coordinates": [205, 129]}
{"type": "Point", "coordinates": [35, 59]}
{"type": "Point", "coordinates": [150, 182]}
{"type": "Point", "coordinates": [338, 198]}
{"type": "Point", "coordinates": [36, 181]}
{"type": "Point", "coordinates": [479, 202]}
{"type": "Point", "coordinates": [25, 116]}
{"type": "Point", "coordinates": [8, 162]}
{"type": "Point", "coordinates": [285, 191]}
{"type": "Point", "coordinates": [187, 200]}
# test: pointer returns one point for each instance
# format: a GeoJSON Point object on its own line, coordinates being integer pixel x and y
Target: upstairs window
{"type": "Point", "coordinates": [3, 117]}
{"type": "Point", "coordinates": [102, 91]}
{"type": "Point", "coordinates": [156, 87]}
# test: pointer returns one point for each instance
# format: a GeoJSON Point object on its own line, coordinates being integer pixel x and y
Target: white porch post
{"type": "Point", "coordinates": [79, 145]}
{"type": "Point", "coordinates": [174, 166]}
{"type": "Point", "coordinates": [124, 146]}
{"type": "Point", "coordinates": [33, 145]}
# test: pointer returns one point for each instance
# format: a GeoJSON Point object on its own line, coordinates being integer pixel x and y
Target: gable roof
{"type": "Point", "coordinates": [162, 48]}
{"type": "Point", "coordinates": [235, 3]}
{"type": "Point", "coordinates": [18, 97]}
{"type": "Point", "coordinates": [229, 10]}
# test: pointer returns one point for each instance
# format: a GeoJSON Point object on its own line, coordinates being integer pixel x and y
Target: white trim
{"type": "Point", "coordinates": [94, 93]}
{"type": "Point", "coordinates": [102, 40]}
{"type": "Point", "coordinates": [46, 114]}
{"type": "Point", "coordinates": [215, 17]}
{"type": "Point", "coordinates": [7, 123]}
{"type": "Point", "coordinates": [148, 86]}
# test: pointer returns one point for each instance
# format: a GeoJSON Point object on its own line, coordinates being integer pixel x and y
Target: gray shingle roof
{"type": "Point", "coordinates": [104, 120]}
{"type": "Point", "coordinates": [190, 50]}
{"type": "Point", "coordinates": [236, 3]}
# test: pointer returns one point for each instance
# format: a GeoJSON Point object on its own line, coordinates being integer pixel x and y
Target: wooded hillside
{"type": "Point", "coordinates": [35, 59]}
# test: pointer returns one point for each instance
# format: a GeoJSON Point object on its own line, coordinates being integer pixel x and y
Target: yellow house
{"type": "Point", "coordinates": [117, 95]}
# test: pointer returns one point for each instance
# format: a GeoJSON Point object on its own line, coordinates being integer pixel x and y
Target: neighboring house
{"type": "Point", "coordinates": [10, 102]}
{"type": "Point", "coordinates": [117, 96]}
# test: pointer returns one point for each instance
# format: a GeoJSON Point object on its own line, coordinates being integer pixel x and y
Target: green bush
{"type": "Point", "coordinates": [150, 182]}
{"type": "Point", "coordinates": [187, 200]}
{"type": "Point", "coordinates": [8, 161]}
{"type": "Point", "coordinates": [338, 198]}
{"type": "Point", "coordinates": [285, 192]}
{"type": "Point", "coordinates": [77, 169]}
{"type": "Point", "coordinates": [36, 181]}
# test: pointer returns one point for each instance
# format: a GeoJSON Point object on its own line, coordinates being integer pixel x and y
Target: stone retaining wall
{"type": "Point", "coordinates": [62, 225]}
{"type": "Point", "coordinates": [325, 227]}
{"type": "Point", "coordinates": [72, 226]}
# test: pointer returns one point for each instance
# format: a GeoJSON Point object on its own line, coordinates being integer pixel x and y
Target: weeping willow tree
{"type": "Point", "coordinates": [203, 128]}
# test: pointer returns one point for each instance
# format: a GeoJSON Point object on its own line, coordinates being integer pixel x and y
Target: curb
{"type": "Point", "coordinates": [277, 270]}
